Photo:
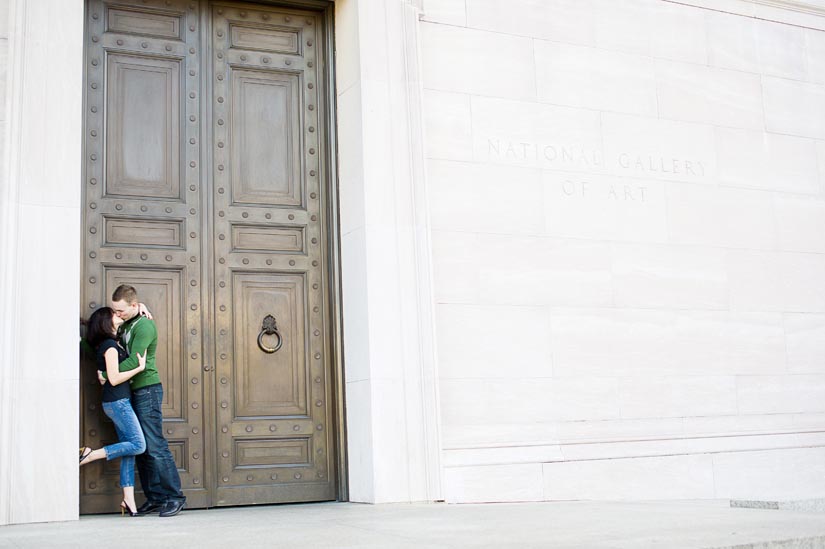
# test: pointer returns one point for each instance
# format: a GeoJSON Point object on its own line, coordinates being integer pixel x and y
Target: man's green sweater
{"type": "Point", "coordinates": [140, 335]}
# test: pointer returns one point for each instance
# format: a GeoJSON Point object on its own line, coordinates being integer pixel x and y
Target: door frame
{"type": "Point", "coordinates": [325, 9]}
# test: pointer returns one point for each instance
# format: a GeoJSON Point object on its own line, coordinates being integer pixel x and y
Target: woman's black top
{"type": "Point", "coordinates": [110, 392]}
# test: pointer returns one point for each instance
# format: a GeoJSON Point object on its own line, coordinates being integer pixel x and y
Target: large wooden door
{"type": "Point", "coordinates": [205, 188]}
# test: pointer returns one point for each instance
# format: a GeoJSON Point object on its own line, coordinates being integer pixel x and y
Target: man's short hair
{"type": "Point", "coordinates": [125, 293]}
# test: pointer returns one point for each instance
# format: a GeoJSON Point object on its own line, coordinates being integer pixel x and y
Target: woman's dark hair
{"type": "Point", "coordinates": [100, 326]}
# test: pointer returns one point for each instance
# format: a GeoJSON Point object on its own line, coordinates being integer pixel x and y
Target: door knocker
{"type": "Point", "coordinates": [269, 327]}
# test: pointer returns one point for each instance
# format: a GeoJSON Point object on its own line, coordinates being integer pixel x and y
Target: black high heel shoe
{"type": "Point", "coordinates": [124, 508]}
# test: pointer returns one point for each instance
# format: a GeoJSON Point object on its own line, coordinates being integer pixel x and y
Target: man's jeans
{"type": "Point", "coordinates": [156, 467]}
{"type": "Point", "coordinates": [130, 436]}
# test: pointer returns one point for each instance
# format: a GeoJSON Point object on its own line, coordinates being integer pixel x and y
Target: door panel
{"type": "Point", "coordinates": [204, 189]}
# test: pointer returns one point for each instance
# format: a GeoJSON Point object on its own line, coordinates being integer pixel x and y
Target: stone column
{"type": "Point", "coordinates": [391, 382]}
{"type": "Point", "coordinates": [40, 266]}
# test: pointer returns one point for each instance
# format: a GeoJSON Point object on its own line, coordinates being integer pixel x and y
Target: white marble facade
{"type": "Point", "coordinates": [627, 204]}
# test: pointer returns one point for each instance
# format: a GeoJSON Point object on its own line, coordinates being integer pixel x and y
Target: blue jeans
{"type": "Point", "coordinates": [156, 467]}
{"type": "Point", "coordinates": [130, 436]}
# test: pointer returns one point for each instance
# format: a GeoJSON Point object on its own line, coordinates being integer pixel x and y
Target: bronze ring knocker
{"type": "Point", "coordinates": [269, 327]}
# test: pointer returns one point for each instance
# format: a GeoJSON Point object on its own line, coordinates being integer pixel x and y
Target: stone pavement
{"type": "Point", "coordinates": [597, 525]}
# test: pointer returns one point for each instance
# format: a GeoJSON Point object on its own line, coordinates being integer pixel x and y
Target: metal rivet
{"type": "Point", "coordinates": [310, 85]}
{"type": "Point", "coordinates": [243, 58]}
{"type": "Point", "coordinates": [144, 45]}
{"type": "Point", "coordinates": [196, 480]}
{"type": "Point", "coordinates": [191, 72]}
{"type": "Point", "coordinates": [314, 263]}
{"type": "Point", "coordinates": [223, 356]}
{"type": "Point", "coordinates": [192, 235]}
{"type": "Point", "coordinates": [296, 427]}
{"type": "Point", "coordinates": [315, 309]}
{"type": "Point", "coordinates": [311, 129]}
{"type": "Point", "coordinates": [118, 255]}
{"type": "Point", "coordinates": [94, 39]}
{"type": "Point", "coordinates": [192, 118]}
{"type": "Point", "coordinates": [92, 485]}
{"type": "Point", "coordinates": [93, 230]}
{"type": "Point", "coordinates": [245, 214]}
{"type": "Point", "coordinates": [168, 210]}
{"type": "Point", "coordinates": [265, 60]}
{"type": "Point", "coordinates": [222, 261]}
{"type": "Point", "coordinates": [245, 261]}
{"type": "Point", "coordinates": [220, 190]}
{"type": "Point", "coordinates": [120, 42]}
{"type": "Point", "coordinates": [194, 356]}
{"type": "Point", "coordinates": [94, 62]}
{"type": "Point", "coordinates": [318, 403]}
{"type": "Point", "coordinates": [94, 85]}
{"type": "Point", "coordinates": [268, 216]}
{"type": "Point", "coordinates": [191, 95]}
{"type": "Point", "coordinates": [193, 307]}
{"type": "Point", "coordinates": [309, 42]}
{"type": "Point", "coordinates": [224, 429]}
{"type": "Point", "coordinates": [224, 404]}
{"type": "Point", "coordinates": [315, 241]}
{"type": "Point", "coordinates": [273, 476]}
{"type": "Point", "coordinates": [192, 187]}
{"type": "Point", "coordinates": [118, 207]}
{"type": "Point", "coordinates": [220, 55]}
{"type": "Point", "coordinates": [192, 211]}
{"type": "Point", "coordinates": [319, 451]}
{"type": "Point", "coordinates": [297, 475]}
{"type": "Point", "coordinates": [226, 479]}
{"type": "Point", "coordinates": [220, 77]}
{"type": "Point", "coordinates": [93, 157]}
{"type": "Point", "coordinates": [195, 405]}
{"type": "Point", "coordinates": [287, 62]}
{"type": "Point", "coordinates": [168, 431]}
{"type": "Point", "coordinates": [193, 259]}
{"type": "Point", "coordinates": [93, 109]}
{"type": "Point", "coordinates": [292, 262]}
{"type": "Point", "coordinates": [93, 181]}
{"type": "Point", "coordinates": [317, 333]}
{"type": "Point", "coordinates": [311, 151]}
{"type": "Point", "coordinates": [220, 144]}
{"type": "Point", "coordinates": [193, 282]}
{"type": "Point", "coordinates": [318, 379]}
{"type": "Point", "coordinates": [313, 195]}
{"type": "Point", "coordinates": [194, 381]}
{"type": "Point", "coordinates": [225, 454]}
{"type": "Point", "coordinates": [95, 16]}
{"type": "Point", "coordinates": [223, 308]}
{"type": "Point", "coordinates": [144, 209]}
{"type": "Point", "coordinates": [192, 50]}
{"type": "Point", "coordinates": [220, 121]}
{"type": "Point", "coordinates": [193, 331]}
{"type": "Point", "coordinates": [311, 107]}
{"type": "Point", "coordinates": [309, 64]}
{"type": "Point", "coordinates": [312, 173]}
{"type": "Point", "coordinates": [221, 237]}
{"type": "Point", "coordinates": [220, 33]}
{"type": "Point", "coordinates": [273, 428]}
{"type": "Point", "coordinates": [93, 205]}
{"type": "Point", "coordinates": [92, 280]}
{"type": "Point", "coordinates": [269, 262]}
{"type": "Point", "coordinates": [224, 381]}
{"type": "Point", "coordinates": [249, 428]}
{"type": "Point", "coordinates": [223, 330]}
{"type": "Point", "coordinates": [314, 218]}
{"type": "Point", "coordinates": [249, 477]}
{"type": "Point", "coordinates": [92, 305]}
{"type": "Point", "coordinates": [222, 285]}
{"type": "Point", "coordinates": [144, 257]}
{"type": "Point", "coordinates": [168, 47]}
{"type": "Point", "coordinates": [291, 216]}
{"type": "Point", "coordinates": [317, 356]}
{"type": "Point", "coordinates": [195, 430]}
{"type": "Point", "coordinates": [192, 27]}
{"type": "Point", "coordinates": [168, 258]}
{"type": "Point", "coordinates": [192, 141]}
{"type": "Point", "coordinates": [195, 455]}
{"type": "Point", "coordinates": [319, 427]}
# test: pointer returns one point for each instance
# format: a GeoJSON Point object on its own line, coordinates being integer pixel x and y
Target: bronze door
{"type": "Point", "coordinates": [205, 189]}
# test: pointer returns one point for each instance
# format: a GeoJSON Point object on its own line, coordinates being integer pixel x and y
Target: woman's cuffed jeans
{"type": "Point", "coordinates": [130, 436]}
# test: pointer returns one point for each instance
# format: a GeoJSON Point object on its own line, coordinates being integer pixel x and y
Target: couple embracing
{"type": "Point", "coordinates": [125, 341]}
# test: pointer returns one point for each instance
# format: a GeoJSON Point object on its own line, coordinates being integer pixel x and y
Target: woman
{"type": "Point", "coordinates": [101, 331]}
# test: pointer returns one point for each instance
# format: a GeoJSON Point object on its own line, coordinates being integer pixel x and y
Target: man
{"type": "Point", "coordinates": [156, 467]}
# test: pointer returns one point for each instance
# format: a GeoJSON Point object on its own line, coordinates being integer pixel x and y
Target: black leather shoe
{"type": "Point", "coordinates": [148, 507]}
{"type": "Point", "coordinates": [172, 507]}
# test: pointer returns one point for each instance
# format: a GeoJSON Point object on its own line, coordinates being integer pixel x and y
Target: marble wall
{"type": "Point", "coordinates": [628, 214]}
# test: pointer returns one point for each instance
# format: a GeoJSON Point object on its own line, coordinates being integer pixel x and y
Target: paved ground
{"type": "Point", "coordinates": [571, 525]}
